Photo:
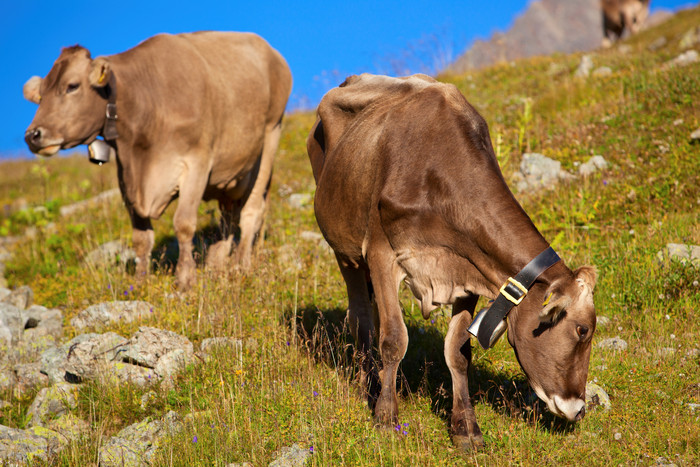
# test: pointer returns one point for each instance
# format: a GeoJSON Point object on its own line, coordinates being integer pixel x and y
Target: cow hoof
{"type": "Point", "coordinates": [467, 443]}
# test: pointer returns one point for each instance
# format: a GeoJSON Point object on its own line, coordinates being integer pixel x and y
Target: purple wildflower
{"type": "Point", "coordinates": [404, 432]}
{"type": "Point", "coordinates": [397, 428]}
{"type": "Point", "coordinates": [311, 449]}
{"type": "Point", "coordinates": [194, 440]}
{"type": "Point", "coordinates": [315, 394]}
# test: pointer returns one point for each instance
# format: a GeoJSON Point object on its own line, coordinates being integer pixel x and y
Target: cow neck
{"type": "Point", "coordinates": [109, 131]}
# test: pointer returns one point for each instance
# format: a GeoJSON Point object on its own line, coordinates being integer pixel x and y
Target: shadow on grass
{"type": "Point", "coordinates": [166, 250]}
{"type": "Point", "coordinates": [423, 371]}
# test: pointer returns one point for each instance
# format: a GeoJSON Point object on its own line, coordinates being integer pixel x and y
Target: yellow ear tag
{"type": "Point", "coordinates": [102, 77]}
{"type": "Point", "coordinates": [546, 300]}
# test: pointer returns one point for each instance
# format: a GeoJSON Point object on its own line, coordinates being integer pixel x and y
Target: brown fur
{"type": "Point", "coordinates": [622, 15]}
{"type": "Point", "coordinates": [199, 117]}
{"type": "Point", "coordinates": [408, 187]}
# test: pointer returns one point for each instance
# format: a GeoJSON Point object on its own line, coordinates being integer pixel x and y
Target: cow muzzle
{"type": "Point", "coordinates": [37, 142]}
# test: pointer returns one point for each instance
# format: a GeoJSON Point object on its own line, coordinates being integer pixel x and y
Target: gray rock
{"type": "Point", "coordinates": [122, 372]}
{"type": "Point", "coordinates": [294, 456]}
{"type": "Point", "coordinates": [595, 395]}
{"type": "Point", "coordinates": [613, 343]}
{"type": "Point", "coordinates": [87, 359]}
{"type": "Point", "coordinates": [538, 171]}
{"type": "Point", "coordinates": [22, 297]}
{"type": "Point", "coordinates": [299, 200]}
{"type": "Point", "coordinates": [29, 377]}
{"type": "Point", "coordinates": [4, 292]}
{"type": "Point", "coordinates": [70, 427]}
{"type": "Point", "coordinates": [693, 407]}
{"type": "Point", "coordinates": [311, 236]}
{"type": "Point", "coordinates": [679, 252]}
{"type": "Point", "coordinates": [111, 254]}
{"type": "Point", "coordinates": [21, 446]}
{"type": "Point", "coordinates": [602, 71]}
{"type": "Point", "coordinates": [8, 379]}
{"type": "Point", "coordinates": [54, 360]}
{"type": "Point", "coordinates": [691, 38]}
{"type": "Point", "coordinates": [136, 444]}
{"type": "Point", "coordinates": [51, 402]}
{"type": "Point", "coordinates": [150, 344]}
{"type": "Point", "coordinates": [102, 198]}
{"type": "Point", "coordinates": [593, 164]}
{"type": "Point", "coordinates": [658, 44]}
{"type": "Point", "coordinates": [693, 353]}
{"type": "Point", "coordinates": [602, 321]}
{"type": "Point", "coordinates": [695, 136]}
{"type": "Point", "coordinates": [686, 58]}
{"type": "Point", "coordinates": [12, 322]}
{"type": "Point", "coordinates": [585, 67]}
{"type": "Point", "coordinates": [172, 363]}
{"type": "Point", "coordinates": [104, 314]}
{"type": "Point", "coordinates": [42, 321]}
{"type": "Point", "coordinates": [228, 344]}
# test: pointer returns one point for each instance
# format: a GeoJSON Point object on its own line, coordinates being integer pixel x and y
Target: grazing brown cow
{"type": "Point", "coordinates": [408, 188]}
{"type": "Point", "coordinates": [622, 15]}
{"type": "Point", "coordinates": [195, 116]}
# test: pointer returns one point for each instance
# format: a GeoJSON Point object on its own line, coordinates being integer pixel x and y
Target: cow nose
{"type": "Point", "coordinates": [581, 413]}
{"type": "Point", "coordinates": [33, 136]}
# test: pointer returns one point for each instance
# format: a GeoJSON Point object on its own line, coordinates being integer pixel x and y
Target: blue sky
{"type": "Point", "coordinates": [323, 41]}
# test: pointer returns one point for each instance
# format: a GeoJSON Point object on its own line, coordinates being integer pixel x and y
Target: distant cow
{"type": "Point", "coordinates": [408, 188]}
{"type": "Point", "coordinates": [622, 15]}
{"type": "Point", "coordinates": [195, 116]}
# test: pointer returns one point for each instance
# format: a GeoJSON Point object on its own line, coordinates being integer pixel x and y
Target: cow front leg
{"type": "Point", "coordinates": [465, 431]}
{"type": "Point", "coordinates": [185, 223]}
{"type": "Point", "coordinates": [360, 320]}
{"type": "Point", "coordinates": [393, 335]}
{"type": "Point", "coordinates": [142, 239]}
{"type": "Point", "coordinates": [254, 208]}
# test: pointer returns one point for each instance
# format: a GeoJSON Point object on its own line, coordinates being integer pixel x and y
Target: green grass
{"type": "Point", "coordinates": [296, 384]}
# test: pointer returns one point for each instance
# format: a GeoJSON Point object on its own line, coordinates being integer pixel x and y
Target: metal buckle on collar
{"type": "Point", "coordinates": [111, 111]}
{"type": "Point", "coordinates": [512, 287]}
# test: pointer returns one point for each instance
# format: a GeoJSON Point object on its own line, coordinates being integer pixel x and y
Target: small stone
{"type": "Point", "coordinates": [299, 200]}
{"type": "Point", "coordinates": [678, 122]}
{"type": "Point", "coordinates": [221, 345]}
{"type": "Point", "coordinates": [52, 401]}
{"type": "Point", "coordinates": [691, 38]}
{"type": "Point", "coordinates": [585, 67]}
{"type": "Point", "coordinates": [294, 456]}
{"type": "Point", "coordinates": [613, 343]}
{"type": "Point", "coordinates": [695, 136]}
{"type": "Point", "coordinates": [618, 436]}
{"type": "Point", "coordinates": [22, 297]}
{"type": "Point", "coordinates": [665, 351]}
{"type": "Point", "coordinates": [657, 44]}
{"type": "Point", "coordinates": [596, 395]}
{"type": "Point", "coordinates": [150, 344]}
{"type": "Point", "coordinates": [679, 252]}
{"type": "Point", "coordinates": [29, 377]}
{"type": "Point", "coordinates": [539, 171]}
{"type": "Point", "coordinates": [684, 59]}
{"type": "Point", "coordinates": [693, 353]}
{"type": "Point", "coordinates": [311, 236]}
{"type": "Point", "coordinates": [111, 254]}
{"type": "Point", "coordinates": [593, 164]}
{"type": "Point", "coordinates": [104, 314]}
{"type": "Point", "coordinates": [602, 71]}
{"type": "Point", "coordinates": [85, 360]}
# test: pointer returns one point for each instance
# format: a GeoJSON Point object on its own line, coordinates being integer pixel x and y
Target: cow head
{"type": "Point", "coordinates": [634, 13]}
{"type": "Point", "coordinates": [551, 332]}
{"type": "Point", "coordinates": [72, 100]}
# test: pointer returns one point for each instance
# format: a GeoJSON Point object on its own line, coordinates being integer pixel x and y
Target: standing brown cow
{"type": "Point", "coordinates": [408, 188]}
{"type": "Point", "coordinates": [195, 116]}
{"type": "Point", "coordinates": [620, 16]}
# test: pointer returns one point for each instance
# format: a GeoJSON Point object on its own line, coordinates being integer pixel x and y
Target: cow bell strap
{"type": "Point", "coordinates": [512, 293]}
{"type": "Point", "coordinates": [109, 132]}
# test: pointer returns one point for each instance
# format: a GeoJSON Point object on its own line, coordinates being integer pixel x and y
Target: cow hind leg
{"type": "Point", "coordinates": [360, 320]}
{"type": "Point", "coordinates": [393, 335]}
{"type": "Point", "coordinates": [253, 211]}
{"type": "Point", "coordinates": [465, 431]}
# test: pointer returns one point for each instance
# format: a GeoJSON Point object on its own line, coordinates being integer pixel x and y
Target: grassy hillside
{"type": "Point", "coordinates": [296, 383]}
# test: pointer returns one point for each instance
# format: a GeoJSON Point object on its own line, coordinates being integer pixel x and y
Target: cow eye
{"type": "Point", "coordinates": [72, 87]}
{"type": "Point", "coordinates": [581, 331]}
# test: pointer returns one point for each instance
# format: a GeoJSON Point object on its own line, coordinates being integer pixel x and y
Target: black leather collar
{"type": "Point", "coordinates": [511, 294]}
{"type": "Point", "coordinates": [109, 132]}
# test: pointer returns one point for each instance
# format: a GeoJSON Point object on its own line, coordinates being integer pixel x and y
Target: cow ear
{"type": "Point", "coordinates": [586, 277]}
{"type": "Point", "coordinates": [31, 89]}
{"type": "Point", "coordinates": [100, 73]}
